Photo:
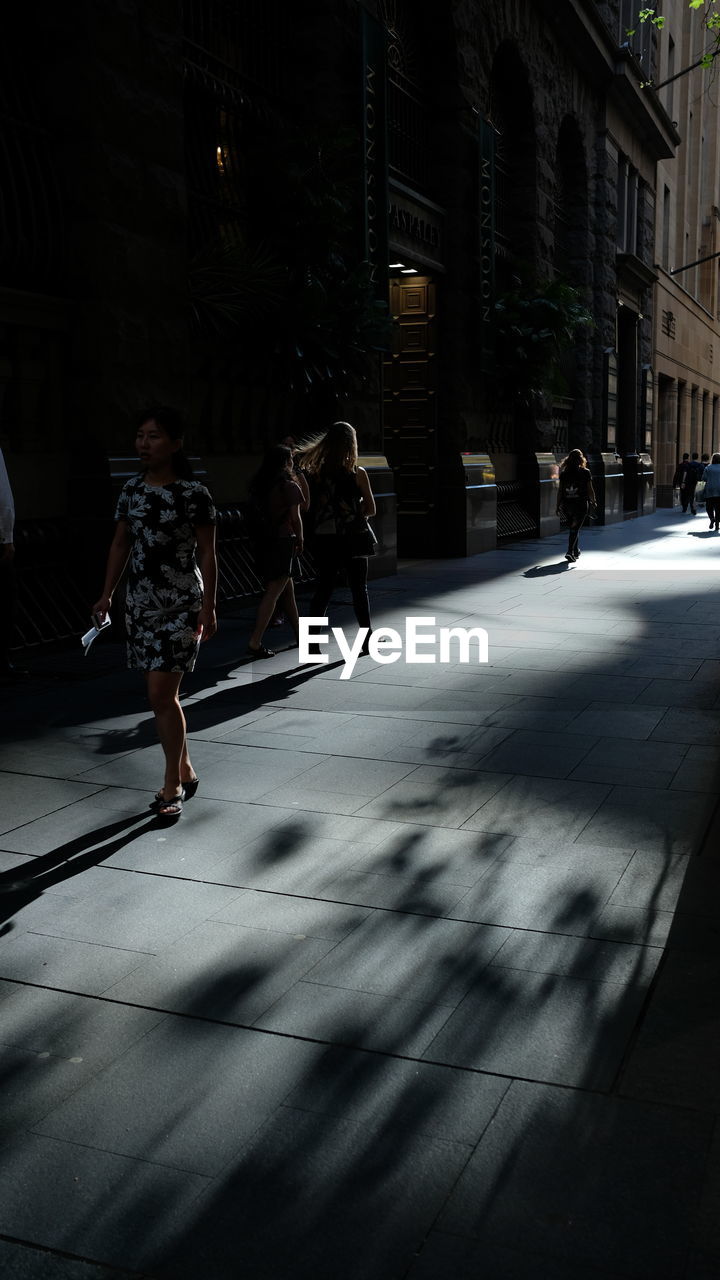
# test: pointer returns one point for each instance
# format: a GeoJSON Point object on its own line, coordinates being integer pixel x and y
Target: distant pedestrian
{"type": "Point", "coordinates": [341, 500]}
{"type": "Point", "coordinates": [711, 476]}
{"type": "Point", "coordinates": [692, 478]}
{"type": "Point", "coordinates": [163, 516]}
{"type": "Point", "coordinates": [278, 500]}
{"type": "Point", "coordinates": [8, 588]}
{"type": "Point", "coordinates": [680, 480]}
{"type": "Point", "coordinates": [575, 497]}
{"type": "Point", "coordinates": [291, 443]}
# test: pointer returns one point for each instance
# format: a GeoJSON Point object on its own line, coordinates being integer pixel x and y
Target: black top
{"type": "Point", "coordinates": [575, 485]}
{"type": "Point", "coordinates": [335, 501]}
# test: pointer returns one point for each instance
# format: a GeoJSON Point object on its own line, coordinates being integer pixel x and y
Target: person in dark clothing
{"type": "Point", "coordinates": [340, 496]}
{"type": "Point", "coordinates": [693, 475]}
{"type": "Point", "coordinates": [7, 572]}
{"type": "Point", "coordinates": [680, 477]}
{"type": "Point", "coordinates": [278, 501]}
{"type": "Point", "coordinates": [575, 496]}
{"type": "Point", "coordinates": [711, 476]}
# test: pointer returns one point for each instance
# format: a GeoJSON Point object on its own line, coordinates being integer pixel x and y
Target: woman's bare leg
{"type": "Point", "coordinates": [163, 688]}
{"type": "Point", "coordinates": [266, 609]}
{"type": "Point", "coordinates": [289, 604]}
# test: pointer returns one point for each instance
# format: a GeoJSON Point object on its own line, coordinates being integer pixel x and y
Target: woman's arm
{"type": "Point", "coordinates": [301, 480]}
{"type": "Point", "coordinates": [369, 508]}
{"type": "Point", "coordinates": [296, 524]}
{"type": "Point", "coordinates": [116, 561]}
{"type": "Point", "coordinates": [207, 561]}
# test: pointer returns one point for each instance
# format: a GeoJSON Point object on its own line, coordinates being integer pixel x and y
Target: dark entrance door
{"type": "Point", "coordinates": [410, 411]}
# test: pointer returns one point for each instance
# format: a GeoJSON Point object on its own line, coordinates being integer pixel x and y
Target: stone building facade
{"type": "Point", "coordinates": [687, 332]}
{"type": "Point", "coordinates": [193, 189]}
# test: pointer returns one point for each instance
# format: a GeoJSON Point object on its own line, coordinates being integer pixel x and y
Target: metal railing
{"type": "Point", "coordinates": [513, 519]}
{"type": "Point", "coordinates": [55, 586]}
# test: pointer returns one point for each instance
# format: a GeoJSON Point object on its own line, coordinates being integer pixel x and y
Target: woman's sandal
{"type": "Point", "coordinates": [260, 652]}
{"type": "Point", "coordinates": [170, 808]}
{"type": "Point", "coordinates": [189, 789]}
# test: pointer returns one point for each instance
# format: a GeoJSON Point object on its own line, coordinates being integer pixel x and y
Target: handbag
{"type": "Point", "coordinates": [700, 491]}
{"type": "Point", "coordinates": [361, 539]}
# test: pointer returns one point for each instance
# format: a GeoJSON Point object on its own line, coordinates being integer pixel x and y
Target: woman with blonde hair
{"type": "Point", "coordinates": [575, 496]}
{"type": "Point", "coordinates": [340, 499]}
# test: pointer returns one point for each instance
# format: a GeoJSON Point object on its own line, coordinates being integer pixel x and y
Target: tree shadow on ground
{"type": "Point", "coordinates": [397, 1134]}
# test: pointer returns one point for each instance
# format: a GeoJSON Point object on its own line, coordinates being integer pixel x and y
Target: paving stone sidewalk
{"type": "Point", "coordinates": [423, 985]}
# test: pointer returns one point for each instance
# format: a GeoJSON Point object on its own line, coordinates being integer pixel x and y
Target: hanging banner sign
{"type": "Point", "coordinates": [374, 135]}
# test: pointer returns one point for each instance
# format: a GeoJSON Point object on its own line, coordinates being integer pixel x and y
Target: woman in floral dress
{"type": "Point", "coordinates": [163, 517]}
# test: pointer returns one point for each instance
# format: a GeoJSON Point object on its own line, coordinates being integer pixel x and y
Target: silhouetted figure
{"type": "Point", "coordinates": [575, 494]}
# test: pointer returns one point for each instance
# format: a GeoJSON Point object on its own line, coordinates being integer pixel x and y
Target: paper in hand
{"type": "Point", "coordinates": [94, 632]}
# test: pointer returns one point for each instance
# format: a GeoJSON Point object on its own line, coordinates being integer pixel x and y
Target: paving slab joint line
{"type": "Point", "coordinates": [304, 1040]}
{"type": "Point", "coordinates": [340, 1044]}
{"type": "Point", "coordinates": [118, 1273]}
{"type": "Point", "coordinates": [454, 1184]}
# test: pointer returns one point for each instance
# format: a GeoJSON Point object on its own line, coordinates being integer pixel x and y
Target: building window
{"type": "Point", "coordinates": [666, 229]}
{"type": "Point", "coordinates": [670, 88]}
{"type": "Point", "coordinates": [611, 398]}
{"type": "Point", "coordinates": [627, 212]}
{"type": "Point", "coordinates": [640, 42]}
{"type": "Point", "coordinates": [668, 324]}
{"type": "Point", "coordinates": [408, 112]}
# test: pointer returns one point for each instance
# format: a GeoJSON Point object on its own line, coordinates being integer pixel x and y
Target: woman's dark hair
{"type": "Point", "coordinates": [716, 457]}
{"type": "Point", "coordinates": [271, 468]}
{"type": "Point", "coordinates": [170, 421]}
{"type": "Point", "coordinates": [575, 461]}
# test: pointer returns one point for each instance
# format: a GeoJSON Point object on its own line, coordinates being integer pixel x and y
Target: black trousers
{"type": "Point", "coordinates": [712, 506]}
{"type": "Point", "coordinates": [332, 559]}
{"type": "Point", "coordinates": [576, 512]}
{"type": "Point", "coordinates": [687, 496]}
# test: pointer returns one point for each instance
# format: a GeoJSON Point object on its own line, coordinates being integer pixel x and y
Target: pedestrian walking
{"type": "Point", "coordinates": [165, 518]}
{"type": "Point", "coordinates": [7, 569]}
{"type": "Point", "coordinates": [291, 443]}
{"type": "Point", "coordinates": [711, 476]}
{"type": "Point", "coordinates": [341, 500]}
{"type": "Point", "coordinates": [680, 480]}
{"type": "Point", "coordinates": [278, 500]}
{"type": "Point", "coordinates": [575, 497]}
{"type": "Point", "coordinates": [8, 579]}
{"type": "Point", "coordinates": [692, 477]}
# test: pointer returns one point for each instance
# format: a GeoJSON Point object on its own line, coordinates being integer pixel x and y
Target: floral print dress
{"type": "Point", "coordinates": [164, 585]}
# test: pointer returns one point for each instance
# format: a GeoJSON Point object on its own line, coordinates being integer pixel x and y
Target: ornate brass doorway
{"type": "Point", "coordinates": [410, 411]}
